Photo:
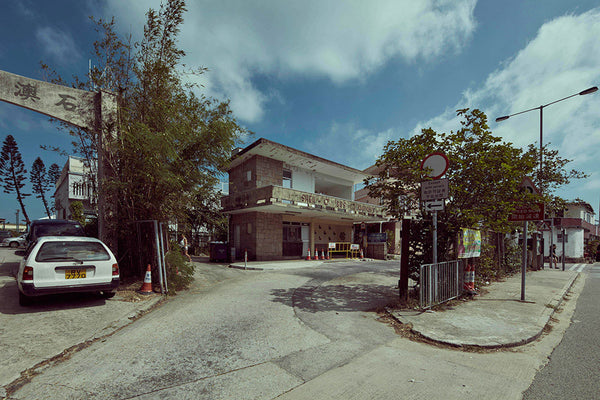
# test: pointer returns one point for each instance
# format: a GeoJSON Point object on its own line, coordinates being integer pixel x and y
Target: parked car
{"type": "Point", "coordinates": [53, 227]}
{"type": "Point", "coordinates": [15, 241]}
{"type": "Point", "coordinates": [62, 264]}
{"type": "Point", "coordinates": [5, 234]}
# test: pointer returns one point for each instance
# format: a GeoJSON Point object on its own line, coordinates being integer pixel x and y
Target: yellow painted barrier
{"type": "Point", "coordinates": [348, 250]}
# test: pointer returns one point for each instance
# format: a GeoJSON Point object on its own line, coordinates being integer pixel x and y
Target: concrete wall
{"type": "Point", "coordinates": [255, 173]}
{"type": "Point", "coordinates": [269, 236]}
{"type": "Point", "coordinates": [261, 234]}
{"type": "Point", "coordinates": [326, 232]}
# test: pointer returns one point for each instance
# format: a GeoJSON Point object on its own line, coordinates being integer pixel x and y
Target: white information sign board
{"type": "Point", "coordinates": [434, 190]}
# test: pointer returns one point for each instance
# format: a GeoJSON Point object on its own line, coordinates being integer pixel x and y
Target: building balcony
{"type": "Point", "coordinates": [276, 199]}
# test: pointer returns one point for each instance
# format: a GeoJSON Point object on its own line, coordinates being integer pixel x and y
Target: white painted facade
{"type": "Point", "coordinates": [577, 224]}
{"type": "Point", "coordinates": [74, 185]}
{"type": "Point", "coordinates": [574, 242]}
{"type": "Point", "coordinates": [319, 183]}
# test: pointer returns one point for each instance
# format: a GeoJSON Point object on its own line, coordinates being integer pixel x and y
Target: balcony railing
{"type": "Point", "coordinates": [276, 195]}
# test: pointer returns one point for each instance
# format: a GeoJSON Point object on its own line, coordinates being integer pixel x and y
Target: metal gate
{"type": "Point", "coordinates": [441, 282]}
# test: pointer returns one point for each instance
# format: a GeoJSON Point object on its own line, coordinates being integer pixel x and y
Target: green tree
{"type": "Point", "coordinates": [12, 172]}
{"type": "Point", "coordinates": [40, 182]}
{"type": "Point", "coordinates": [204, 212]}
{"type": "Point", "coordinates": [484, 176]}
{"type": "Point", "coordinates": [53, 174]}
{"type": "Point", "coordinates": [53, 177]}
{"type": "Point", "coordinates": [171, 143]}
{"type": "Point", "coordinates": [77, 214]}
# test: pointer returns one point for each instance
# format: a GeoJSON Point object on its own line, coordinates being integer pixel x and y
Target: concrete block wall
{"type": "Point", "coordinates": [269, 236]}
{"type": "Point", "coordinates": [268, 172]}
{"type": "Point", "coordinates": [261, 234]}
{"type": "Point", "coordinates": [246, 223]}
{"type": "Point", "coordinates": [263, 172]}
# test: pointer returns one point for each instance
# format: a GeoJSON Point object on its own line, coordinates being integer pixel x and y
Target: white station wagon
{"type": "Point", "coordinates": [64, 264]}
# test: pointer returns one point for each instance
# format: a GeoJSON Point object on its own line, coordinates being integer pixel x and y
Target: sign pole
{"type": "Point", "coordinates": [524, 264]}
{"type": "Point", "coordinates": [434, 221]}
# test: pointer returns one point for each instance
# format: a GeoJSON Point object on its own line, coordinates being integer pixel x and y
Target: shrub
{"type": "Point", "coordinates": [180, 272]}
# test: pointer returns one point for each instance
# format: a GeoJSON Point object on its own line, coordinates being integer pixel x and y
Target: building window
{"type": "Point", "coordinates": [287, 178]}
{"type": "Point", "coordinates": [248, 176]}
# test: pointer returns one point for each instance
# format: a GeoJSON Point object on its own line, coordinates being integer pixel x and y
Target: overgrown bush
{"type": "Point", "coordinates": [180, 272]}
{"type": "Point", "coordinates": [488, 268]}
{"type": "Point", "coordinates": [512, 257]}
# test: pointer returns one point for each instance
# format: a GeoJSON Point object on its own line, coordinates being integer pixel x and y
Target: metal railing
{"type": "Point", "coordinates": [441, 282]}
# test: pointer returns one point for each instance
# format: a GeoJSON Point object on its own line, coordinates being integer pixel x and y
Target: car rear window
{"type": "Point", "coordinates": [59, 230]}
{"type": "Point", "coordinates": [72, 251]}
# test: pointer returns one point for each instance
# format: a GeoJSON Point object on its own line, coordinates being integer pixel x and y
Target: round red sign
{"type": "Point", "coordinates": [437, 164]}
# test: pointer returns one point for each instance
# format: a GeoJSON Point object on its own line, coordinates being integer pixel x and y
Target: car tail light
{"type": "Point", "coordinates": [28, 273]}
{"type": "Point", "coordinates": [115, 270]}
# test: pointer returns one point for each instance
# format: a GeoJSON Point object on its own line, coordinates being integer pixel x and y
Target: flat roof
{"type": "Point", "coordinates": [297, 158]}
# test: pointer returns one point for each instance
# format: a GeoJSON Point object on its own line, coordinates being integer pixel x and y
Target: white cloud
{"type": "Point", "coordinates": [57, 44]}
{"type": "Point", "coordinates": [341, 41]}
{"type": "Point", "coordinates": [350, 145]}
{"type": "Point", "coordinates": [561, 60]}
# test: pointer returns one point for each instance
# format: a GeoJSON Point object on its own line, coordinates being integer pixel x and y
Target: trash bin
{"type": "Point", "coordinates": [217, 251]}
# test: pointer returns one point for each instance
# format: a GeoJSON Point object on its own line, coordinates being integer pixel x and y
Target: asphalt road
{"type": "Point", "coordinates": [294, 334]}
{"type": "Point", "coordinates": [573, 371]}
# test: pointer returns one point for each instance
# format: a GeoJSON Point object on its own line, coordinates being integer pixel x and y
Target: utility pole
{"type": "Point", "coordinates": [17, 221]}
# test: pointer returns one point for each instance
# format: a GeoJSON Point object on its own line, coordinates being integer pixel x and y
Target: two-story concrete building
{"type": "Point", "coordinates": [284, 202]}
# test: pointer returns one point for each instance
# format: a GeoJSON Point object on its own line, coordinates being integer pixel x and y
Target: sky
{"type": "Point", "coordinates": [339, 79]}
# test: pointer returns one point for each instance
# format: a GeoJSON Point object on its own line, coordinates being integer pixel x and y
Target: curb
{"type": "Point", "coordinates": [246, 268]}
{"type": "Point", "coordinates": [545, 318]}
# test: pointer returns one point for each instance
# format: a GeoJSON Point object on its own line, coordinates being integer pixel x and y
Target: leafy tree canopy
{"type": "Point", "coordinates": [484, 174]}
{"type": "Point", "coordinates": [171, 142]}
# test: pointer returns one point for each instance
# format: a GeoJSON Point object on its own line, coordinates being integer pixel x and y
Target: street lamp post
{"type": "Point", "coordinates": [541, 108]}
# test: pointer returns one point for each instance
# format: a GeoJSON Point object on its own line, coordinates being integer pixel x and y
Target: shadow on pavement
{"type": "Point", "coordinates": [10, 301]}
{"type": "Point", "coordinates": [9, 269]}
{"type": "Point", "coordinates": [337, 297]}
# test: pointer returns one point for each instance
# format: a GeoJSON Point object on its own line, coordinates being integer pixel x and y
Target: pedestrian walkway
{"type": "Point", "coordinates": [497, 317]}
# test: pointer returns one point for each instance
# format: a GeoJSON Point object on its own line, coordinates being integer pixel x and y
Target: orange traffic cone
{"type": "Point", "coordinates": [322, 254]}
{"type": "Point", "coordinates": [147, 285]}
{"type": "Point", "coordinates": [316, 257]}
{"type": "Point", "coordinates": [361, 254]}
{"type": "Point", "coordinates": [327, 255]}
{"type": "Point", "coordinates": [308, 255]}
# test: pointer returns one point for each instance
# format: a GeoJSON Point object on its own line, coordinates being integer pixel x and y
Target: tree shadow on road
{"type": "Point", "coordinates": [9, 269]}
{"type": "Point", "coordinates": [342, 298]}
{"type": "Point", "coordinates": [9, 301]}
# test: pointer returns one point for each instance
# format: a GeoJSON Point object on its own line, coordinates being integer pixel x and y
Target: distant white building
{"type": "Point", "coordinates": [76, 183]}
{"type": "Point", "coordinates": [576, 222]}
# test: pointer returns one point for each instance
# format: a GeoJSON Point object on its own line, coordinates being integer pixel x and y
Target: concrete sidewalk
{"type": "Point", "coordinates": [496, 318]}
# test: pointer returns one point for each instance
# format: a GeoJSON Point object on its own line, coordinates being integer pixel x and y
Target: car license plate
{"type": "Point", "coordinates": [75, 273]}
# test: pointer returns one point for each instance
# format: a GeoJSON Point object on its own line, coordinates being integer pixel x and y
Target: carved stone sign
{"type": "Point", "coordinates": [61, 102]}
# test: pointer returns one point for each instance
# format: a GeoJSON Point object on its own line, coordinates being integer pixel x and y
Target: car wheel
{"type": "Point", "coordinates": [14, 244]}
{"type": "Point", "coordinates": [25, 300]}
{"type": "Point", "coordinates": [108, 294]}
